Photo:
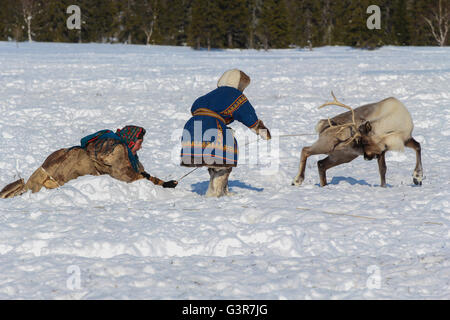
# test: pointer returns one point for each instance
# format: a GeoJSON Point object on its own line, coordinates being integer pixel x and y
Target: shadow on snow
{"type": "Point", "coordinates": [353, 181]}
{"type": "Point", "coordinates": [201, 187]}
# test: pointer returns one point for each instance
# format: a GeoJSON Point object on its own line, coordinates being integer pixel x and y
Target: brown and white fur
{"type": "Point", "coordinates": [218, 182]}
{"type": "Point", "coordinates": [379, 127]}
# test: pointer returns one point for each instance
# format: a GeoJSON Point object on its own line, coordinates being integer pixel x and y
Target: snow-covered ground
{"type": "Point", "coordinates": [99, 238]}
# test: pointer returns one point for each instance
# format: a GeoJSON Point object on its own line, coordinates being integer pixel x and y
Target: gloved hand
{"type": "Point", "coordinates": [170, 184]}
{"type": "Point", "coordinates": [261, 130]}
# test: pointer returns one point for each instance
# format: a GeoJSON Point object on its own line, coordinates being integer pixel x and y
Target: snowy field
{"type": "Point", "coordinates": [99, 238]}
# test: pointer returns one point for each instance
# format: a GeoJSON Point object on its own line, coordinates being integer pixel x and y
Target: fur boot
{"type": "Point", "coordinates": [218, 182]}
{"type": "Point", "coordinates": [13, 189]}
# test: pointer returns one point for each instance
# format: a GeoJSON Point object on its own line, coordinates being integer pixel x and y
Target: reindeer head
{"type": "Point", "coordinates": [361, 137]}
{"type": "Point", "coordinates": [369, 144]}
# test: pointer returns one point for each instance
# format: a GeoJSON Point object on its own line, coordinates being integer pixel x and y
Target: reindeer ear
{"type": "Point", "coordinates": [365, 128]}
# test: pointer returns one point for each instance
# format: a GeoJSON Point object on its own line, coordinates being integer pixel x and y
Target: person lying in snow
{"type": "Point", "coordinates": [103, 152]}
{"type": "Point", "coordinates": [207, 141]}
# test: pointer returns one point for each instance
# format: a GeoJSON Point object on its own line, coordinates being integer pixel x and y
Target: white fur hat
{"type": "Point", "coordinates": [234, 78]}
{"type": "Point", "coordinates": [230, 78]}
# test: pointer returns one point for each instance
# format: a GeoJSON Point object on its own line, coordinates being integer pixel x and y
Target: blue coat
{"type": "Point", "coordinates": [206, 139]}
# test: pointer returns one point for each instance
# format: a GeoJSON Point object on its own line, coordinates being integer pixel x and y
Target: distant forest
{"type": "Point", "coordinates": [258, 24]}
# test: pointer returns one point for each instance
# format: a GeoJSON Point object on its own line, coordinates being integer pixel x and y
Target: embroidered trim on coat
{"type": "Point", "coordinates": [235, 105]}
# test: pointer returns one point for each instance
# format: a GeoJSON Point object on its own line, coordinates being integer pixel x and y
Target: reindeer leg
{"type": "Point", "coordinates": [418, 171]}
{"type": "Point", "coordinates": [331, 161]}
{"type": "Point", "coordinates": [382, 168]}
{"type": "Point", "coordinates": [323, 165]}
{"type": "Point", "coordinates": [298, 180]}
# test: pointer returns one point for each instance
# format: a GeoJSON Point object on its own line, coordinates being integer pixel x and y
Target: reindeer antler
{"type": "Point", "coordinates": [335, 102]}
{"type": "Point", "coordinates": [343, 126]}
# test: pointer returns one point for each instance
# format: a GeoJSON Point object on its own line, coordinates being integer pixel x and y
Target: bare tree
{"type": "Point", "coordinates": [255, 7]}
{"type": "Point", "coordinates": [149, 17]}
{"type": "Point", "coordinates": [439, 22]}
{"type": "Point", "coordinates": [148, 29]}
{"type": "Point", "coordinates": [327, 20]}
{"type": "Point", "coordinates": [28, 11]}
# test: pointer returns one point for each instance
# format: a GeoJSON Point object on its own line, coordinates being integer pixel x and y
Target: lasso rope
{"type": "Point", "coordinates": [280, 136]}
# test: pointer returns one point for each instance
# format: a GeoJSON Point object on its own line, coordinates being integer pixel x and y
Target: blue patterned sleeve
{"type": "Point", "coordinates": [246, 114]}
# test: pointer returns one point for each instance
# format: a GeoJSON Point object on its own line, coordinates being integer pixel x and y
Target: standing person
{"type": "Point", "coordinates": [103, 152]}
{"type": "Point", "coordinates": [207, 141]}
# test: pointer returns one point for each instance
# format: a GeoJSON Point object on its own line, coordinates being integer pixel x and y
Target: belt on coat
{"type": "Point", "coordinates": [210, 113]}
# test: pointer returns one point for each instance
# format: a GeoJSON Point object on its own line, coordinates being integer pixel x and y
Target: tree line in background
{"type": "Point", "coordinates": [229, 23]}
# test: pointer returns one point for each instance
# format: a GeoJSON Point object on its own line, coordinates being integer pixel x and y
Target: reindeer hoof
{"type": "Point", "coordinates": [297, 182]}
{"type": "Point", "coordinates": [417, 178]}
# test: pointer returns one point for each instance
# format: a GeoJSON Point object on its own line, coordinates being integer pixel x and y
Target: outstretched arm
{"type": "Point", "coordinates": [247, 115]}
{"type": "Point", "coordinates": [113, 160]}
{"type": "Point", "coordinates": [116, 163]}
{"type": "Point", "coordinates": [155, 180]}
{"type": "Point", "coordinates": [159, 182]}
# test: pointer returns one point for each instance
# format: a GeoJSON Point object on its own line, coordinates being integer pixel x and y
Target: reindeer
{"type": "Point", "coordinates": [370, 130]}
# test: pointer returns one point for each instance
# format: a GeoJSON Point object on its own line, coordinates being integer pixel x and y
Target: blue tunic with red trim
{"type": "Point", "coordinates": [206, 139]}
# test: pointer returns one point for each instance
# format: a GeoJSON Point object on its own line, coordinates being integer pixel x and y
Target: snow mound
{"type": "Point", "coordinates": [92, 191]}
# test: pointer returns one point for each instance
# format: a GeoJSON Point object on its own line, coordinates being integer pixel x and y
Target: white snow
{"type": "Point", "coordinates": [349, 240]}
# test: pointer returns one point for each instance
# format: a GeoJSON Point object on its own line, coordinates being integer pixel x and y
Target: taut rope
{"type": "Point", "coordinates": [280, 136]}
